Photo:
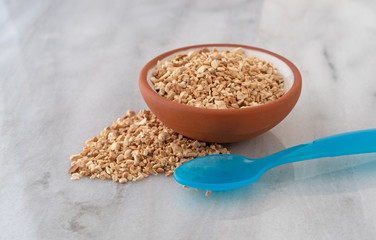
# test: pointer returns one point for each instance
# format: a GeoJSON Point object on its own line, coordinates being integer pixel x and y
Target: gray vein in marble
{"type": "Point", "coordinates": [44, 181]}
{"type": "Point", "coordinates": [331, 66]}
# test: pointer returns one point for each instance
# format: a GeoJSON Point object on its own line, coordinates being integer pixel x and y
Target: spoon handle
{"type": "Point", "coordinates": [356, 142]}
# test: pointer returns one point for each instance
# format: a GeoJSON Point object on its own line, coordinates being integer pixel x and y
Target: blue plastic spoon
{"type": "Point", "coordinates": [227, 171]}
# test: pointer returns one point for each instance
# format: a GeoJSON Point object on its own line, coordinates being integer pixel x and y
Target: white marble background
{"type": "Point", "coordinates": [70, 68]}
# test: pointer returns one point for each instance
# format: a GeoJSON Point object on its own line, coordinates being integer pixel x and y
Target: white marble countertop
{"type": "Point", "coordinates": [70, 68]}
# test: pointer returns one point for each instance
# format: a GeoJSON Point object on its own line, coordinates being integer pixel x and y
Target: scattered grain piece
{"type": "Point", "coordinates": [73, 168]}
{"type": "Point", "coordinates": [75, 157]}
{"type": "Point", "coordinates": [75, 176]}
{"type": "Point", "coordinates": [207, 193]}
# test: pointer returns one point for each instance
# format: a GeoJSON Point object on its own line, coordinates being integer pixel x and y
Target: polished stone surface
{"type": "Point", "coordinates": [70, 68]}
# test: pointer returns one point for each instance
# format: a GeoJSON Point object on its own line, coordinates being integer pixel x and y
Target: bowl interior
{"type": "Point", "coordinates": [282, 68]}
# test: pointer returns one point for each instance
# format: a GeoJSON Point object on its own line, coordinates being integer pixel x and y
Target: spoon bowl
{"type": "Point", "coordinates": [227, 171]}
{"type": "Point", "coordinates": [219, 172]}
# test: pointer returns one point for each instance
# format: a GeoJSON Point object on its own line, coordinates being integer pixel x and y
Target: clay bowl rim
{"type": "Point", "coordinates": [144, 85]}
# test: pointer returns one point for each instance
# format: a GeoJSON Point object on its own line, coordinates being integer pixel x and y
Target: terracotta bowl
{"type": "Point", "coordinates": [223, 125]}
